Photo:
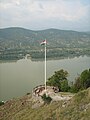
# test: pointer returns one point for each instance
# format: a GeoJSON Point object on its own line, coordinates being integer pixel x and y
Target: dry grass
{"type": "Point", "coordinates": [78, 108]}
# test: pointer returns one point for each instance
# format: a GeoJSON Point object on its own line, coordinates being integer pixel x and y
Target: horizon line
{"type": "Point", "coordinates": [43, 29]}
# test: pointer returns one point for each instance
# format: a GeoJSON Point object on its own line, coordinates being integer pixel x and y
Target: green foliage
{"type": "Point", "coordinates": [46, 99]}
{"type": "Point", "coordinates": [82, 82]}
{"type": "Point", "coordinates": [64, 86]}
{"type": "Point", "coordinates": [85, 78]}
{"type": "Point", "coordinates": [16, 42]}
{"type": "Point", "coordinates": [75, 87]}
{"type": "Point", "coordinates": [1, 103]}
{"type": "Point", "coordinates": [59, 79]}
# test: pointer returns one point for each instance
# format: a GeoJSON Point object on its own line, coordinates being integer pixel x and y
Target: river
{"type": "Point", "coordinates": [19, 78]}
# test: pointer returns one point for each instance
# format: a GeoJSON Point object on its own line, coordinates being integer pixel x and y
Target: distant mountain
{"type": "Point", "coordinates": [55, 37]}
{"type": "Point", "coordinates": [16, 42]}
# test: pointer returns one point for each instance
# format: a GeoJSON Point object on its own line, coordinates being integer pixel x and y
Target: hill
{"type": "Point", "coordinates": [55, 37]}
{"type": "Point", "coordinates": [76, 108]}
{"type": "Point", "coordinates": [23, 41]}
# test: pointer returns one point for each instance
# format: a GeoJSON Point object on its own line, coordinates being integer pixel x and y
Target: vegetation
{"type": "Point", "coordinates": [78, 108]}
{"type": "Point", "coordinates": [1, 103]}
{"type": "Point", "coordinates": [16, 42]}
{"type": "Point", "coordinates": [59, 79]}
{"type": "Point", "coordinates": [82, 82]}
{"type": "Point", "coordinates": [46, 99]}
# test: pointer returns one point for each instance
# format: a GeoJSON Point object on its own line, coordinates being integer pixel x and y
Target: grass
{"type": "Point", "coordinates": [78, 108]}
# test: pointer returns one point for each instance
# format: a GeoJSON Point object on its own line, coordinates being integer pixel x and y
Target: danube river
{"type": "Point", "coordinates": [19, 78]}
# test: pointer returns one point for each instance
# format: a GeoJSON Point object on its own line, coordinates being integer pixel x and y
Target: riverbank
{"type": "Point", "coordinates": [42, 59]}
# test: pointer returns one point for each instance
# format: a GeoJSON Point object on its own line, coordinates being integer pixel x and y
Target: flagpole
{"type": "Point", "coordinates": [45, 66]}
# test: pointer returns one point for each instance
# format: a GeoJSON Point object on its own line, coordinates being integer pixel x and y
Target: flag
{"type": "Point", "coordinates": [43, 42]}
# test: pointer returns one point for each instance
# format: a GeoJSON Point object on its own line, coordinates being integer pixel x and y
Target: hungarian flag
{"type": "Point", "coordinates": [43, 42]}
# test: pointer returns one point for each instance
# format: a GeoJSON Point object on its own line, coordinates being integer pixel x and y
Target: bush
{"type": "Point", "coordinates": [85, 78]}
{"type": "Point", "coordinates": [59, 79]}
{"type": "Point", "coordinates": [64, 86]}
{"type": "Point", "coordinates": [1, 103]}
{"type": "Point", "coordinates": [82, 82]}
{"type": "Point", "coordinates": [46, 99]}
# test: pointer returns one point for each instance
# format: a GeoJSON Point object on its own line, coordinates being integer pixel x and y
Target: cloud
{"type": "Point", "coordinates": [65, 11]}
{"type": "Point", "coordinates": [22, 12]}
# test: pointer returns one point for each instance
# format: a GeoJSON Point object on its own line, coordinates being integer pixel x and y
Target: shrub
{"type": "Point", "coordinates": [1, 103]}
{"type": "Point", "coordinates": [81, 82]}
{"type": "Point", "coordinates": [64, 86]}
{"type": "Point", "coordinates": [46, 99]}
{"type": "Point", "coordinates": [59, 79]}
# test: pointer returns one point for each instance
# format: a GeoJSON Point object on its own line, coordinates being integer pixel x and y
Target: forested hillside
{"type": "Point", "coordinates": [16, 42]}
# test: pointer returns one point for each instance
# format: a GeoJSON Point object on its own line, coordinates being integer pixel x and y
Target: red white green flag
{"type": "Point", "coordinates": [43, 42]}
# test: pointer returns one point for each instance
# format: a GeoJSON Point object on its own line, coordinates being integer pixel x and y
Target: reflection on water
{"type": "Point", "coordinates": [18, 78]}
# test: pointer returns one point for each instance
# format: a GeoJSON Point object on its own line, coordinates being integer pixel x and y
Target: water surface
{"type": "Point", "coordinates": [18, 78]}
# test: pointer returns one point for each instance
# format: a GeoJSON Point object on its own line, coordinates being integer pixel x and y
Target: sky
{"type": "Point", "coordinates": [45, 14]}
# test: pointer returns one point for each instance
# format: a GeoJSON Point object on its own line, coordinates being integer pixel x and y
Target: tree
{"type": "Point", "coordinates": [85, 78]}
{"type": "Point", "coordinates": [82, 82]}
{"type": "Point", "coordinates": [76, 86]}
{"type": "Point", "coordinates": [59, 79]}
{"type": "Point", "coordinates": [64, 86]}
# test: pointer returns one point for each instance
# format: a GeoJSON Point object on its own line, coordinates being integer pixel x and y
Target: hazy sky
{"type": "Point", "coordinates": [43, 14]}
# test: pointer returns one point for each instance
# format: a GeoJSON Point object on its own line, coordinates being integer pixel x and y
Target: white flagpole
{"type": "Point", "coordinates": [45, 65]}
